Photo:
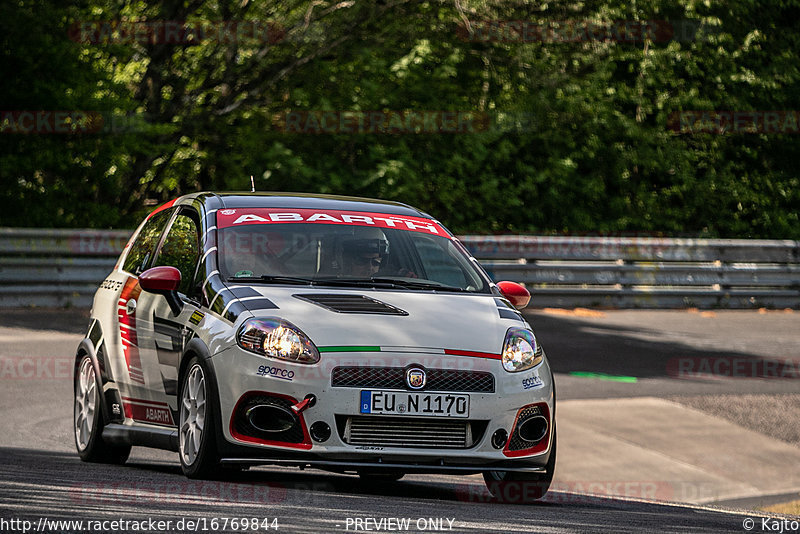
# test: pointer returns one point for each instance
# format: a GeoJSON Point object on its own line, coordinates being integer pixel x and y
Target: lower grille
{"type": "Point", "coordinates": [410, 433]}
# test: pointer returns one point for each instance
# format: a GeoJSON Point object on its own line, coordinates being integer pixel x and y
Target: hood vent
{"type": "Point", "coordinates": [347, 303]}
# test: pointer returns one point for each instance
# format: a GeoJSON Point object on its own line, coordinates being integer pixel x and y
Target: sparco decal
{"type": "Point", "coordinates": [227, 218]}
{"type": "Point", "coordinates": [127, 329]}
{"type": "Point", "coordinates": [532, 382]}
{"type": "Point", "coordinates": [275, 372]}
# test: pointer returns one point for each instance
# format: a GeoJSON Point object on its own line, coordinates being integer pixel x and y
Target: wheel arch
{"type": "Point", "coordinates": [196, 347]}
{"type": "Point", "coordinates": [86, 348]}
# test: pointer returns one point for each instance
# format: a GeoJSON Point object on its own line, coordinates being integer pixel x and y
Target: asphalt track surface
{"type": "Point", "coordinates": [41, 477]}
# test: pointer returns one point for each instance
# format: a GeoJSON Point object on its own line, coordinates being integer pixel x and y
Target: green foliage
{"type": "Point", "coordinates": [579, 139]}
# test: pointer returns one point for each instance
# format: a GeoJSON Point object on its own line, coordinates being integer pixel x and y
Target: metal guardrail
{"type": "Point", "coordinates": [65, 267]}
{"type": "Point", "coordinates": [42, 267]}
{"type": "Point", "coordinates": [645, 272]}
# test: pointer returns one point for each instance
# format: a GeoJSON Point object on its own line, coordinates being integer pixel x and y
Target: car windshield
{"type": "Point", "coordinates": [342, 249]}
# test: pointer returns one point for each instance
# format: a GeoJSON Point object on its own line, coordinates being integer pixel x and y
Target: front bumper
{"type": "Point", "coordinates": [241, 374]}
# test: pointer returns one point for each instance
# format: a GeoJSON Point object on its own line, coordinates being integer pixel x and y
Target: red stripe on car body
{"type": "Point", "coordinates": [473, 354]}
{"type": "Point", "coordinates": [130, 348]}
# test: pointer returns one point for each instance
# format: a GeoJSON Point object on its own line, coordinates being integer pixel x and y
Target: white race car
{"type": "Point", "coordinates": [346, 334]}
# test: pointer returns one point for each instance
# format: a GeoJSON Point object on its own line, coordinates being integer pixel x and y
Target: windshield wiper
{"type": "Point", "coordinates": [356, 282]}
{"type": "Point", "coordinates": [272, 279]}
{"type": "Point", "coordinates": [380, 282]}
{"type": "Point", "coordinates": [387, 282]}
{"type": "Point", "coordinates": [345, 282]}
{"type": "Point", "coordinates": [415, 284]}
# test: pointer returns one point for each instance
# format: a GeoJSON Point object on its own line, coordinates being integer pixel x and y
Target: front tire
{"type": "Point", "coordinates": [87, 420]}
{"type": "Point", "coordinates": [197, 436]}
{"type": "Point", "coordinates": [513, 487]}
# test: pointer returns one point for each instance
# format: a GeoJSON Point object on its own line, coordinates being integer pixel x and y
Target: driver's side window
{"type": "Point", "coordinates": [181, 249]}
{"type": "Point", "coordinates": [138, 258]}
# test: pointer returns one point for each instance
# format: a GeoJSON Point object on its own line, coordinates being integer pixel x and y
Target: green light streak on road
{"type": "Point", "coordinates": [603, 376]}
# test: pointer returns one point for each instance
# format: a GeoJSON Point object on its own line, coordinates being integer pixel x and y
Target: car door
{"type": "Point", "coordinates": [117, 312]}
{"type": "Point", "coordinates": [161, 334]}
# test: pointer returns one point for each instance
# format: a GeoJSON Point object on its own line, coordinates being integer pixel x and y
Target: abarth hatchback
{"type": "Point", "coordinates": [346, 334]}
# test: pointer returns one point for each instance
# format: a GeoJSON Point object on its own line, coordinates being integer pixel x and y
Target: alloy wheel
{"type": "Point", "coordinates": [85, 404]}
{"type": "Point", "coordinates": [193, 414]}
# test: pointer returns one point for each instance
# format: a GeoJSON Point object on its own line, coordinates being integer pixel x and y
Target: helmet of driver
{"type": "Point", "coordinates": [366, 240]}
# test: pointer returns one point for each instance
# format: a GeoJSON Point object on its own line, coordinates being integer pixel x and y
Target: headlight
{"type": "Point", "coordinates": [520, 350]}
{"type": "Point", "coordinates": [276, 338]}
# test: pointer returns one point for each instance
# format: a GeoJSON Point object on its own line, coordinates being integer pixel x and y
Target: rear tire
{"type": "Point", "coordinates": [87, 419]}
{"type": "Point", "coordinates": [513, 487]}
{"type": "Point", "coordinates": [196, 427]}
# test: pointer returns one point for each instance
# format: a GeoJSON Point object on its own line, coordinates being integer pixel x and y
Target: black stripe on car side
{"type": "Point", "coordinates": [215, 293]}
{"type": "Point", "coordinates": [503, 303]}
{"type": "Point", "coordinates": [168, 355]}
{"type": "Point", "coordinates": [228, 305]}
{"type": "Point", "coordinates": [105, 370]}
{"type": "Point", "coordinates": [244, 292]}
{"type": "Point", "coordinates": [510, 314]}
{"type": "Point", "coordinates": [211, 287]}
{"type": "Point", "coordinates": [223, 301]}
{"type": "Point", "coordinates": [220, 302]}
{"type": "Point", "coordinates": [95, 335]}
{"type": "Point", "coordinates": [210, 237]}
{"type": "Point", "coordinates": [234, 310]}
{"type": "Point", "coordinates": [209, 264]}
{"type": "Point", "coordinates": [249, 305]}
{"type": "Point", "coordinates": [260, 304]}
{"type": "Point", "coordinates": [211, 219]}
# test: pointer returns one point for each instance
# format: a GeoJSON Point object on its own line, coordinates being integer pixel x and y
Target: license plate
{"type": "Point", "coordinates": [406, 403]}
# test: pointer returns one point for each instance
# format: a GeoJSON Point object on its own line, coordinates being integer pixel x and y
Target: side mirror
{"type": "Point", "coordinates": [165, 281]}
{"type": "Point", "coordinates": [515, 293]}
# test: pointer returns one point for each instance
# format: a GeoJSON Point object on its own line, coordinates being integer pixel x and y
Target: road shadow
{"type": "Point", "coordinates": [142, 483]}
{"type": "Point", "coordinates": [575, 345]}
{"type": "Point", "coordinates": [32, 481]}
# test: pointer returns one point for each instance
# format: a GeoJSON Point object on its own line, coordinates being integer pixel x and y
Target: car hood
{"type": "Point", "coordinates": [451, 321]}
